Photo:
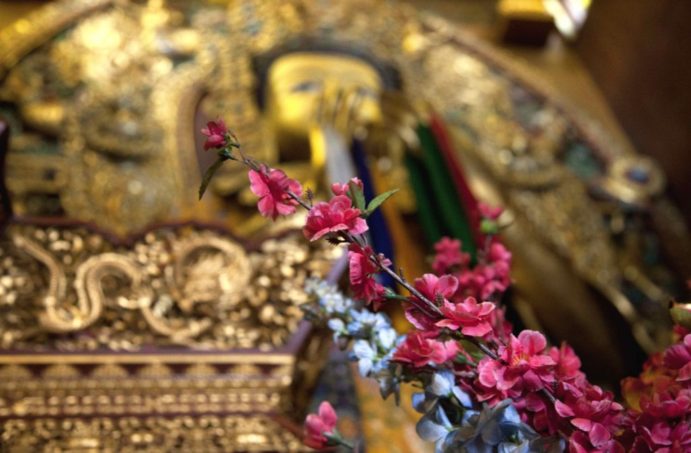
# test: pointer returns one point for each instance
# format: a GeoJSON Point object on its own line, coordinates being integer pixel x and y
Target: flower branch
{"type": "Point", "coordinates": [507, 392]}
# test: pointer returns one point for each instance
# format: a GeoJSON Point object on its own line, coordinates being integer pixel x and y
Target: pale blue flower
{"type": "Point", "coordinates": [364, 321]}
{"type": "Point", "coordinates": [336, 325]}
{"type": "Point", "coordinates": [365, 355]}
{"type": "Point", "coordinates": [436, 427]}
{"type": "Point", "coordinates": [441, 385]}
{"type": "Point", "coordinates": [329, 298]}
{"type": "Point", "coordinates": [497, 428]}
{"type": "Point", "coordinates": [389, 381]}
{"type": "Point", "coordinates": [386, 338]}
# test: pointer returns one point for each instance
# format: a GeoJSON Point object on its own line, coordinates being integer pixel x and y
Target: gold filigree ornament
{"type": "Point", "coordinates": [184, 286]}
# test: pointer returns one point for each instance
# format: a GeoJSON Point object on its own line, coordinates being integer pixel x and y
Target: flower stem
{"type": "Point", "coordinates": [345, 443]}
{"type": "Point", "coordinates": [299, 200]}
{"type": "Point", "coordinates": [401, 281]}
{"type": "Point", "coordinates": [430, 306]}
{"type": "Point", "coordinates": [483, 347]}
{"type": "Point", "coordinates": [336, 438]}
{"type": "Point", "coordinates": [477, 343]}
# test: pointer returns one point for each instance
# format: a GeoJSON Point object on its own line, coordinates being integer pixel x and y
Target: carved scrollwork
{"type": "Point", "coordinates": [184, 286]}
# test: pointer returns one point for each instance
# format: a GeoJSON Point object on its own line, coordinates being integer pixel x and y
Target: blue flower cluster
{"type": "Point", "coordinates": [451, 421]}
{"type": "Point", "coordinates": [372, 336]}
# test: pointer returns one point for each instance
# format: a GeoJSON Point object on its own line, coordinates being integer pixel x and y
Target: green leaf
{"type": "Point", "coordinates": [357, 195]}
{"type": "Point", "coordinates": [488, 226]}
{"type": "Point", "coordinates": [378, 200]}
{"type": "Point", "coordinates": [225, 154]}
{"type": "Point", "coordinates": [393, 296]}
{"type": "Point", "coordinates": [681, 314]}
{"type": "Point", "coordinates": [461, 359]}
{"type": "Point", "coordinates": [209, 174]}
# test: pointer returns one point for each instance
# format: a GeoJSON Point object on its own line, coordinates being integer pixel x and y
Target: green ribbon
{"type": "Point", "coordinates": [439, 207]}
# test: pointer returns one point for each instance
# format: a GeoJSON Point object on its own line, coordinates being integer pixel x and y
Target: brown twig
{"type": "Point", "coordinates": [401, 281]}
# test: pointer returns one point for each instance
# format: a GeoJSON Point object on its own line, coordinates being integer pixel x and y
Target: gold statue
{"type": "Point", "coordinates": [105, 97]}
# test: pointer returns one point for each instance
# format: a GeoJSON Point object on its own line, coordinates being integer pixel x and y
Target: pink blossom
{"type": "Point", "coordinates": [490, 212]}
{"type": "Point", "coordinates": [317, 425]}
{"type": "Point", "coordinates": [420, 350]}
{"type": "Point", "coordinates": [664, 437]}
{"type": "Point", "coordinates": [593, 412]}
{"type": "Point", "coordinates": [420, 319]}
{"type": "Point", "coordinates": [580, 442]}
{"type": "Point", "coordinates": [670, 402]}
{"type": "Point", "coordinates": [471, 318]}
{"type": "Point", "coordinates": [568, 364]}
{"type": "Point", "coordinates": [449, 256]}
{"type": "Point", "coordinates": [433, 287]}
{"type": "Point", "coordinates": [486, 281]}
{"type": "Point", "coordinates": [660, 401]}
{"type": "Point", "coordinates": [216, 133]}
{"type": "Point", "coordinates": [490, 277]}
{"type": "Point", "coordinates": [522, 366]}
{"type": "Point", "coordinates": [501, 328]}
{"type": "Point", "coordinates": [678, 357]}
{"type": "Point", "coordinates": [272, 186]}
{"type": "Point", "coordinates": [538, 411]}
{"type": "Point", "coordinates": [498, 254]}
{"type": "Point", "coordinates": [338, 214]}
{"type": "Point", "coordinates": [343, 188]}
{"type": "Point", "coordinates": [362, 272]}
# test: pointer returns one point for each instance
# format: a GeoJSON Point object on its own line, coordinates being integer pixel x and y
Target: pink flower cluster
{"type": "Point", "coordinates": [595, 418]}
{"type": "Point", "coordinates": [522, 367]}
{"type": "Point", "coordinates": [421, 349]}
{"type": "Point", "coordinates": [551, 393]}
{"type": "Point", "coordinates": [488, 279]}
{"type": "Point", "coordinates": [545, 384]}
{"type": "Point", "coordinates": [277, 196]}
{"type": "Point", "coordinates": [660, 402]}
{"type": "Point", "coordinates": [449, 257]}
{"type": "Point", "coordinates": [456, 309]}
{"type": "Point", "coordinates": [466, 316]}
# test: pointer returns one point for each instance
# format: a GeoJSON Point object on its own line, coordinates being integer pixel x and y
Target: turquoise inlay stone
{"type": "Point", "coordinates": [580, 160]}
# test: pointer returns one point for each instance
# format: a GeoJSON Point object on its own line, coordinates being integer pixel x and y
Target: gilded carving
{"type": "Point", "coordinates": [184, 286]}
{"type": "Point", "coordinates": [153, 434]}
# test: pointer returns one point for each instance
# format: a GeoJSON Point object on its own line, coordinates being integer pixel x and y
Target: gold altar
{"type": "Point", "coordinates": [135, 316]}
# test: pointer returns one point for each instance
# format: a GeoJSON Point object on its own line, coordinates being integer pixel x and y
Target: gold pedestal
{"type": "Point", "coordinates": [149, 343]}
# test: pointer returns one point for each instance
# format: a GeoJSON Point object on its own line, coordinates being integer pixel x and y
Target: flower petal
{"type": "Point", "coordinates": [328, 415]}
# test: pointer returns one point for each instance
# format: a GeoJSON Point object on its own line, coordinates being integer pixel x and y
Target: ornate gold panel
{"type": "Point", "coordinates": [117, 339]}
{"type": "Point", "coordinates": [186, 286]}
